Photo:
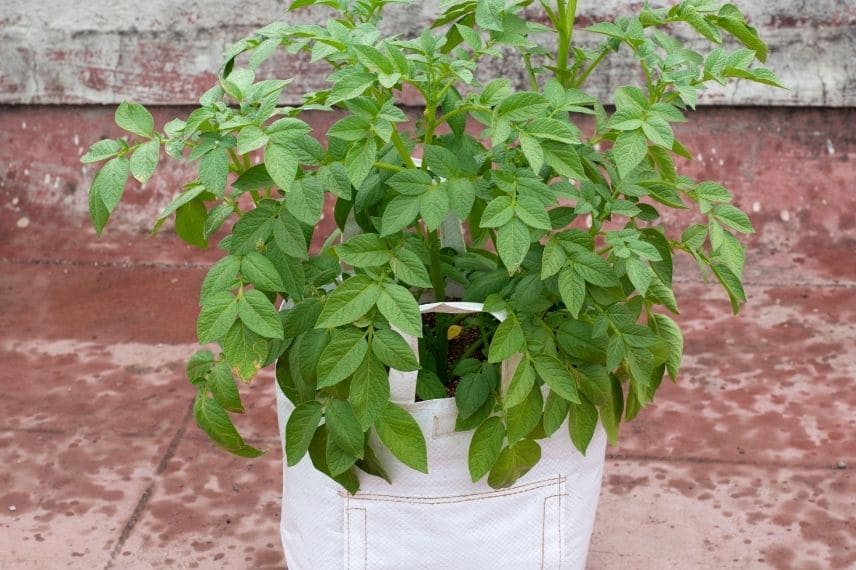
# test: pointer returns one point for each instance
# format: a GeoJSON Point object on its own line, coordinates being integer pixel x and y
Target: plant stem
{"type": "Point", "coordinates": [387, 166]}
{"type": "Point", "coordinates": [533, 81]}
{"type": "Point", "coordinates": [438, 282]}
{"type": "Point", "coordinates": [472, 348]}
{"type": "Point", "coordinates": [578, 82]}
{"type": "Point", "coordinates": [402, 149]}
{"type": "Point", "coordinates": [566, 16]}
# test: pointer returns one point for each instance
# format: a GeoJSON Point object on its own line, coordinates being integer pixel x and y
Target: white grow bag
{"type": "Point", "coordinates": [443, 519]}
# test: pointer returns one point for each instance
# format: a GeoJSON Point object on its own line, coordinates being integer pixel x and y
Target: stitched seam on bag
{"type": "Point", "coordinates": [544, 531]}
{"type": "Point", "coordinates": [460, 498]}
{"type": "Point", "coordinates": [365, 533]}
{"type": "Point", "coordinates": [437, 432]}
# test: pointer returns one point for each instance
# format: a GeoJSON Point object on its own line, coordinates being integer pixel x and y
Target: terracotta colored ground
{"type": "Point", "coordinates": [748, 462]}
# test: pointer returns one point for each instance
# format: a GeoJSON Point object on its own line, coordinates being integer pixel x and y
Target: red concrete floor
{"type": "Point", "coordinates": [748, 462]}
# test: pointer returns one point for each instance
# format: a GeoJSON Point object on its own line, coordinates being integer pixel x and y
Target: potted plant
{"type": "Point", "coordinates": [529, 230]}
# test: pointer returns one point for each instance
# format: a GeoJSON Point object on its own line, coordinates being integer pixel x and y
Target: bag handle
{"type": "Point", "coordinates": [403, 384]}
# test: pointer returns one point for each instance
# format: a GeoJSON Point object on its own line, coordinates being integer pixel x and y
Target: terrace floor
{"type": "Point", "coordinates": [747, 462]}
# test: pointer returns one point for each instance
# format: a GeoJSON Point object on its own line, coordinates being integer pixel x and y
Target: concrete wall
{"type": "Point", "coordinates": [165, 51]}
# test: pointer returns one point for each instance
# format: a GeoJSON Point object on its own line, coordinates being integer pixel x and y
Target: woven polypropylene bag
{"type": "Point", "coordinates": [443, 519]}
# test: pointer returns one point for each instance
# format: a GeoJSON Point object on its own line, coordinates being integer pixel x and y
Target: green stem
{"type": "Point", "coordinates": [402, 149]}
{"type": "Point", "coordinates": [578, 82]}
{"type": "Point", "coordinates": [533, 81]}
{"type": "Point", "coordinates": [437, 280]}
{"type": "Point", "coordinates": [472, 349]}
{"type": "Point", "coordinates": [458, 111]}
{"type": "Point", "coordinates": [387, 166]}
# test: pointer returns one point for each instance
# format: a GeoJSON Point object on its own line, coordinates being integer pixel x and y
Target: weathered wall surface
{"type": "Point", "coordinates": [165, 51]}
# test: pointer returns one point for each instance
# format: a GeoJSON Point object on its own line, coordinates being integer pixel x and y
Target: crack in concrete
{"type": "Point", "coordinates": [149, 491]}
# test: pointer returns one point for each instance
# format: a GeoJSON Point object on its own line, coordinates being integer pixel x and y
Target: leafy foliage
{"type": "Point", "coordinates": [562, 232]}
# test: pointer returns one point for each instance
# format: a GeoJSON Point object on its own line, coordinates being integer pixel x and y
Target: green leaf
{"type": "Point", "coordinates": [251, 138]}
{"type": "Point", "coordinates": [350, 85]}
{"type": "Point", "coordinates": [399, 213]}
{"type": "Point", "coordinates": [369, 392]}
{"type": "Point", "coordinates": [512, 243]}
{"type": "Point", "coordinates": [400, 308]}
{"type": "Point", "coordinates": [134, 118]}
{"type": "Point", "coordinates": [572, 288]}
{"type": "Point", "coordinates": [607, 29]}
{"type": "Point", "coordinates": [190, 223]}
{"type": "Point", "coordinates": [281, 164]}
{"type": "Point", "coordinates": [441, 161]}
{"type": "Point", "coordinates": [318, 455]}
{"type": "Point", "coordinates": [348, 302]}
{"type": "Point", "coordinates": [592, 267]}
{"type": "Point", "coordinates": [564, 159]}
{"type": "Point", "coordinates": [364, 250]}
{"type": "Point", "coordinates": [522, 106]}
{"type": "Point", "coordinates": [532, 212]}
{"type": "Point", "coordinates": [669, 331]}
{"type": "Point", "coordinates": [523, 418]}
{"type": "Point", "coordinates": [289, 237]}
{"type": "Point", "coordinates": [342, 356]}
{"type": "Point", "coordinates": [532, 151]}
{"type": "Point", "coordinates": [498, 212]}
{"type": "Point", "coordinates": [344, 428]}
{"type": "Point", "coordinates": [408, 268]}
{"type": "Point", "coordinates": [555, 411]}
{"type": "Point", "coordinates": [552, 129]}
{"type": "Point", "coordinates": [471, 393]}
{"type": "Point", "coordinates": [299, 429]}
{"type": "Point", "coordinates": [219, 311]}
{"type": "Point", "coordinates": [489, 14]}
{"type": "Point", "coordinates": [462, 194]}
{"type": "Point", "coordinates": [434, 207]}
{"type": "Point", "coordinates": [639, 275]}
{"type": "Point", "coordinates": [658, 131]}
{"type": "Point", "coordinates": [507, 340]}
{"type": "Point", "coordinates": [261, 272]}
{"type": "Point", "coordinates": [300, 318]}
{"type": "Point", "coordinates": [360, 161]}
{"type": "Point", "coordinates": [628, 151]}
{"type": "Point", "coordinates": [216, 217]}
{"type": "Point", "coordinates": [199, 365]}
{"type": "Point", "coordinates": [214, 421]}
{"type": "Point", "coordinates": [553, 258]}
{"type": "Point", "coordinates": [556, 375]}
{"type": "Point", "coordinates": [259, 315]}
{"type": "Point", "coordinates": [400, 433]}
{"type": "Point", "coordinates": [521, 384]}
{"type": "Point", "coordinates": [485, 447]}
{"type": "Point", "coordinates": [731, 283]}
{"type": "Point", "coordinates": [411, 182]}
{"type": "Point", "coordinates": [393, 350]}
{"type": "Point", "coordinates": [214, 170]}
{"type": "Point", "coordinates": [105, 148]}
{"type": "Point", "coordinates": [244, 350]}
{"type": "Point", "coordinates": [733, 217]}
{"type": "Point", "coordinates": [513, 463]}
{"type": "Point", "coordinates": [338, 460]}
{"type": "Point", "coordinates": [106, 191]}
{"type": "Point", "coordinates": [222, 386]}
{"type": "Point", "coordinates": [582, 424]}
{"type": "Point", "coordinates": [351, 128]}
{"type": "Point", "coordinates": [144, 161]}
{"type": "Point", "coordinates": [221, 277]}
